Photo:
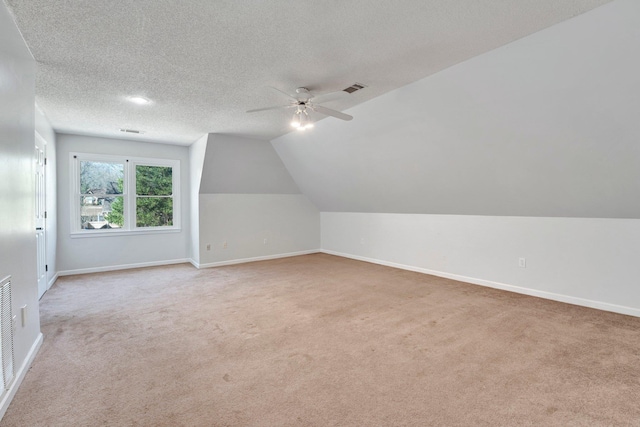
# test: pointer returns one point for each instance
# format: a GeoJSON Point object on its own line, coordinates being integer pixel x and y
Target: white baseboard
{"type": "Point", "coordinates": [122, 267]}
{"type": "Point", "coordinates": [260, 258]}
{"type": "Point", "coordinates": [53, 280]}
{"type": "Point", "coordinates": [631, 311]}
{"type": "Point", "coordinates": [17, 380]}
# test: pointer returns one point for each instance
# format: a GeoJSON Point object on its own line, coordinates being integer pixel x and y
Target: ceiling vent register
{"type": "Point", "coordinates": [354, 87]}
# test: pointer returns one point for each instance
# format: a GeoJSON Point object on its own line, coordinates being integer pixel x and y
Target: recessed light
{"type": "Point", "coordinates": [140, 100]}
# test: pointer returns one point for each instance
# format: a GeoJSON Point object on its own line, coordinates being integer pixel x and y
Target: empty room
{"type": "Point", "coordinates": [299, 213]}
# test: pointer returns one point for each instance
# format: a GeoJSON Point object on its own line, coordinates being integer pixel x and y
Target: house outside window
{"type": "Point", "coordinates": [115, 195]}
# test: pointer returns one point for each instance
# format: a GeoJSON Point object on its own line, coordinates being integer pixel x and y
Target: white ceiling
{"type": "Point", "coordinates": [204, 63]}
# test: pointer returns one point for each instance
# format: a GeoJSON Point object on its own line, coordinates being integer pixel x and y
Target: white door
{"type": "Point", "coordinates": [40, 212]}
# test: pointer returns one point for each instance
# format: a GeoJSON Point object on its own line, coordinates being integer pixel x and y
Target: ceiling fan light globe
{"type": "Point", "coordinates": [295, 124]}
{"type": "Point", "coordinates": [140, 100]}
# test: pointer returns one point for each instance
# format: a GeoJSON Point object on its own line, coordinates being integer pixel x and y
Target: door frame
{"type": "Point", "coordinates": [40, 211]}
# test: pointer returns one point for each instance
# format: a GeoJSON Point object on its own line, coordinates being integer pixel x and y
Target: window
{"type": "Point", "coordinates": [116, 195]}
{"type": "Point", "coordinates": [101, 195]}
{"type": "Point", "coordinates": [154, 196]}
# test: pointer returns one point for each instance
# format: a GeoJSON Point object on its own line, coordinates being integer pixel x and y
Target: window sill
{"type": "Point", "coordinates": [120, 233]}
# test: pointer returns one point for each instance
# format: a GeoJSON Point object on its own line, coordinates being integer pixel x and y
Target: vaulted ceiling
{"type": "Point", "coordinates": [204, 63]}
{"type": "Point", "coordinates": [545, 126]}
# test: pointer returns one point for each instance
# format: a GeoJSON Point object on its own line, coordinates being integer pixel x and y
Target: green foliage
{"type": "Point", "coordinates": [116, 216]}
{"type": "Point", "coordinates": [154, 180]}
{"type": "Point", "coordinates": [154, 211]}
{"type": "Point", "coordinates": [155, 208]}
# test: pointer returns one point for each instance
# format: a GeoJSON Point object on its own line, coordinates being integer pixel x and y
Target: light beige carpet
{"type": "Point", "coordinates": [319, 340]}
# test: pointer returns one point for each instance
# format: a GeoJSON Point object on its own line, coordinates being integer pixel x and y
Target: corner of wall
{"type": "Point", "coordinates": [197, 152]}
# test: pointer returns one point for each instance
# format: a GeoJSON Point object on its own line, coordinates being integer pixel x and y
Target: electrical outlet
{"type": "Point", "coordinates": [225, 244]}
{"type": "Point", "coordinates": [265, 241]}
{"type": "Point", "coordinates": [209, 246]}
{"type": "Point", "coordinates": [522, 262]}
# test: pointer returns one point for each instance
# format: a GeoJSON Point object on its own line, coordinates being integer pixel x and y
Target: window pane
{"type": "Point", "coordinates": [101, 212]}
{"type": "Point", "coordinates": [154, 211]}
{"type": "Point", "coordinates": [154, 180]}
{"type": "Point", "coordinates": [101, 178]}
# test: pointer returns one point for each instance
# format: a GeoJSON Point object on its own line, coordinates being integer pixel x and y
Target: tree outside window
{"type": "Point", "coordinates": [101, 185]}
{"type": "Point", "coordinates": [154, 196]}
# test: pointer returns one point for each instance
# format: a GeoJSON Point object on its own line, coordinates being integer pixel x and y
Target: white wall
{"type": "Point", "coordinates": [584, 261]}
{"type": "Point", "coordinates": [17, 223]}
{"type": "Point", "coordinates": [44, 129]}
{"type": "Point", "coordinates": [197, 152]}
{"type": "Point", "coordinates": [76, 255]}
{"type": "Point", "coordinates": [246, 196]}
{"type": "Point", "coordinates": [289, 222]}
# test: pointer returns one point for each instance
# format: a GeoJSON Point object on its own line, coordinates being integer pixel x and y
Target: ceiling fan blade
{"type": "Point", "coordinates": [330, 112]}
{"type": "Point", "coordinates": [330, 96]}
{"type": "Point", "coordinates": [283, 92]}
{"type": "Point", "coordinates": [279, 107]}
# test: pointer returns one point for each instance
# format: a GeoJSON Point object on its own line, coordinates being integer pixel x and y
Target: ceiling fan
{"type": "Point", "coordinates": [304, 101]}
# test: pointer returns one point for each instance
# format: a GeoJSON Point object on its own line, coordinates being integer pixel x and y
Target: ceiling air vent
{"type": "Point", "coordinates": [354, 87]}
{"type": "Point", "coordinates": [131, 131]}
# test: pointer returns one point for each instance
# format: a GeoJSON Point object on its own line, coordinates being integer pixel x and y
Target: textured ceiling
{"type": "Point", "coordinates": [204, 63]}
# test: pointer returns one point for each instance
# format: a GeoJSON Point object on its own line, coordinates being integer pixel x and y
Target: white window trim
{"type": "Point", "coordinates": [128, 194]}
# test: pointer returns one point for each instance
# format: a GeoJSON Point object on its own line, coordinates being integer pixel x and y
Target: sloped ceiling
{"type": "Point", "coordinates": [204, 63]}
{"type": "Point", "coordinates": [239, 165]}
{"type": "Point", "coordinates": [545, 126]}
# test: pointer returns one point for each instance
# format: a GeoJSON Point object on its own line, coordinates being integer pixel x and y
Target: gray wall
{"type": "Point", "coordinates": [545, 126]}
{"type": "Point", "coordinates": [17, 226]}
{"type": "Point", "coordinates": [237, 165]}
{"type": "Point", "coordinates": [103, 252]}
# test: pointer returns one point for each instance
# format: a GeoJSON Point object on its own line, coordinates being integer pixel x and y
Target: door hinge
{"type": "Point", "coordinates": [45, 214]}
{"type": "Point", "coordinates": [45, 161]}
{"type": "Point", "coordinates": [46, 267]}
